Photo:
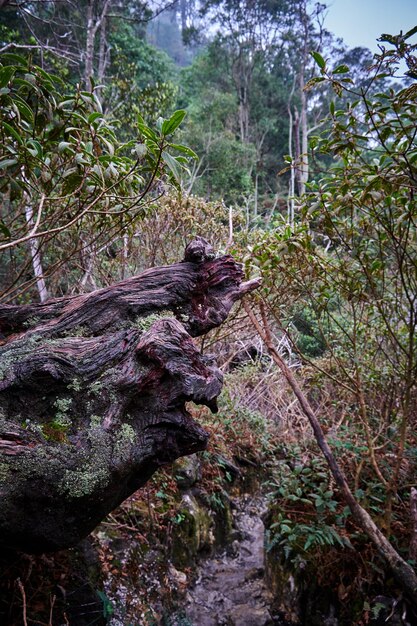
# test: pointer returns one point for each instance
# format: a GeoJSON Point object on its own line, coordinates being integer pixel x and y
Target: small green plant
{"type": "Point", "coordinates": [179, 619]}
{"type": "Point", "coordinates": [56, 430]}
{"type": "Point", "coordinates": [296, 539]}
{"type": "Point", "coordinates": [216, 500]}
{"type": "Point", "coordinates": [309, 336]}
{"type": "Point", "coordinates": [179, 518]}
{"type": "Point", "coordinates": [307, 514]}
{"type": "Point", "coordinates": [108, 609]}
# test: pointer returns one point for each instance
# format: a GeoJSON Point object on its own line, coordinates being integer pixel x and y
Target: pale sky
{"type": "Point", "coordinates": [361, 22]}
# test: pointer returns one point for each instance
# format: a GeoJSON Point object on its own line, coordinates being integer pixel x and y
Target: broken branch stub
{"type": "Point", "coordinates": [93, 391]}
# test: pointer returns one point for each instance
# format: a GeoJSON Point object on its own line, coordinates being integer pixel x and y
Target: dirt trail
{"type": "Point", "coordinates": [229, 590]}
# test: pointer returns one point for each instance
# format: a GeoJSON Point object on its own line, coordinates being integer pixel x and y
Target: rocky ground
{"type": "Point", "coordinates": [230, 588]}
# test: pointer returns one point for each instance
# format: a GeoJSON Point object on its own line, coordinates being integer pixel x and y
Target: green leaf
{"type": "Point", "coordinates": [66, 103]}
{"type": "Point", "coordinates": [6, 74]}
{"type": "Point", "coordinates": [173, 165]}
{"type": "Point", "coordinates": [30, 78]}
{"type": "Point", "coordinates": [108, 609]}
{"type": "Point", "coordinates": [81, 160]}
{"type": "Point", "coordinates": [410, 33]}
{"type": "Point", "coordinates": [341, 69]}
{"type": "Point", "coordinates": [72, 181]}
{"type": "Point", "coordinates": [49, 78]}
{"type": "Point", "coordinates": [7, 163]}
{"type": "Point", "coordinates": [318, 59]}
{"type": "Point", "coordinates": [146, 131]}
{"type": "Point", "coordinates": [35, 148]}
{"type": "Point", "coordinates": [65, 145]}
{"type": "Point", "coordinates": [182, 159]}
{"type": "Point", "coordinates": [13, 132]}
{"type": "Point", "coordinates": [24, 110]}
{"type": "Point", "coordinates": [309, 542]}
{"type": "Point", "coordinates": [70, 172]}
{"type": "Point", "coordinates": [184, 149]}
{"type": "Point", "coordinates": [93, 116]}
{"type": "Point", "coordinates": [22, 82]}
{"type": "Point", "coordinates": [80, 117]}
{"type": "Point", "coordinates": [313, 81]}
{"type": "Point", "coordinates": [108, 144]}
{"type": "Point", "coordinates": [174, 121]}
{"type": "Point", "coordinates": [5, 230]}
{"type": "Point", "coordinates": [284, 528]}
{"type": "Point", "coordinates": [140, 150]}
{"type": "Point", "coordinates": [11, 57]}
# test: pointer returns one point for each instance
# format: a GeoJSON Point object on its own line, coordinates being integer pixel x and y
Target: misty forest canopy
{"type": "Point", "coordinates": [86, 72]}
{"type": "Point", "coordinates": [129, 129]}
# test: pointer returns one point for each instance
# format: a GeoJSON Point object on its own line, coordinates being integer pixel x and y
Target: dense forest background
{"type": "Point", "coordinates": [127, 129]}
{"type": "Point", "coordinates": [239, 71]}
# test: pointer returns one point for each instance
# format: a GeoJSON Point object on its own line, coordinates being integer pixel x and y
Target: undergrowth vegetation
{"type": "Point", "coordinates": [158, 521]}
{"type": "Point", "coordinates": [88, 200]}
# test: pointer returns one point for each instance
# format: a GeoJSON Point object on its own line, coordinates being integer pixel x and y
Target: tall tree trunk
{"type": "Point", "coordinates": [89, 44]}
{"type": "Point", "coordinates": [291, 189]}
{"type": "Point", "coordinates": [96, 19]}
{"type": "Point", "coordinates": [297, 149]}
{"type": "Point", "coordinates": [255, 203]}
{"type": "Point", "coordinates": [88, 254]}
{"type": "Point", "coordinates": [183, 7]}
{"type": "Point", "coordinates": [303, 178]}
{"type": "Point", "coordinates": [103, 50]}
{"type": "Point", "coordinates": [35, 253]}
{"type": "Point", "coordinates": [304, 133]}
{"type": "Point", "coordinates": [242, 76]}
{"type": "Point", "coordinates": [243, 114]}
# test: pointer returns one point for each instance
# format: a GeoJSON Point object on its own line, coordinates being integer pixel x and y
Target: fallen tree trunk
{"type": "Point", "coordinates": [93, 391]}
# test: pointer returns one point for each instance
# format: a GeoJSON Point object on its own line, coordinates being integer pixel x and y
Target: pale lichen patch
{"type": "Point", "coordinates": [4, 472]}
{"type": "Point", "coordinates": [145, 323]}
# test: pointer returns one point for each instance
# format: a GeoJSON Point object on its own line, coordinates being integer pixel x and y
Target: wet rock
{"type": "Point", "coordinates": [255, 572]}
{"type": "Point", "coordinates": [177, 577]}
{"type": "Point", "coordinates": [230, 589]}
{"type": "Point", "coordinates": [223, 519]}
{"type": "Point", "coordinates": [236, 534]}
{"type": "Point", "coordinates": [244, 616]}
{"type": "Point", "coordinates": [286, 591]}
{"type": "Point", "coordinates": [192, 534]}
{"type": "Point", "coordinates": [153, 556]}
{"type": "Point", "coordinates": [187, 471]}
{"type": "Point", "coordinates": [233, 549]}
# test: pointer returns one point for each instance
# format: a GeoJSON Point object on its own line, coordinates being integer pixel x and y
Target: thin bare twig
{"type": "Point", "coordinates": [22, 591]}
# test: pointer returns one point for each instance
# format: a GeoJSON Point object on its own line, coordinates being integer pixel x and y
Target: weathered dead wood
{"type": "Point", "coordinates": [93, 391]}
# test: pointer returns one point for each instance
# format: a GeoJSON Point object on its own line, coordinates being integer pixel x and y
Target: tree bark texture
{"type": "Point", "coordinates": [93, 391]}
